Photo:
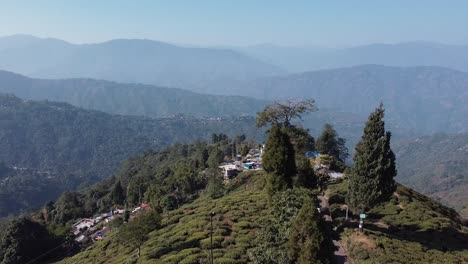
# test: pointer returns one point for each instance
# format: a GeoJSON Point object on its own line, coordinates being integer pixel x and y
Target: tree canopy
{"type": "Point", "coordinates": [279, 159]}
{"type": "Point", "coordinates": [329, 143]}
{"type": "Point", "coordinates": [135, 232]}
{"type": "Point", "coordinates": [372, 180]}
{"type": "Point", "coordinates": [282, 113]}
{"type": "Point", "coordinates": [23, 240]}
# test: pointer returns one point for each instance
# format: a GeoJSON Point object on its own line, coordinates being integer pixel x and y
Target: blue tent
{"type": "Point", "coordinates": [312, 154]}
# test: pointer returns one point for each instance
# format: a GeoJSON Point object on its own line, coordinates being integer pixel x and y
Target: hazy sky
{"type": "Point", "coordinates": [240, 22]}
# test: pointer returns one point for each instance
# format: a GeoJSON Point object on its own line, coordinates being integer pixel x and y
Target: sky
{"type": "Point", "coordinates": [330, 23]}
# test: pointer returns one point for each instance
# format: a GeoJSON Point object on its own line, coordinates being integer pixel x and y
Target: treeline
{"type": "Point", "coordinates": [80, 147]}
{"type": "Point", "coordinates": [164, 179]}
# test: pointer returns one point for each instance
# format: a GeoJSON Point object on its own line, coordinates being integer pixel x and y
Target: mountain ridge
{"type": "Point", "coordinates": [127, 98]}
{"type": "Point", "coordinates": [129, 60]}
{"type": "Point", "coordinates": [81, 147]}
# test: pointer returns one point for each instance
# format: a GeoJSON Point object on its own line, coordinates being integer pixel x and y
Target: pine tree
{"type": "Point", "coordinates": [215, 186]}
{"type": "Point", "coordinates": [306, 236]}
{"type": "Point", "coordinates": [305, 173]}
{"type": "Point", "coordinates": [117, 194]}
{"type": "Point", "coordinates": [329, 143]}
{"type": "Point", "coordinates": [278, 159]}
{"type": "Point", "coordinates": [372, 180]}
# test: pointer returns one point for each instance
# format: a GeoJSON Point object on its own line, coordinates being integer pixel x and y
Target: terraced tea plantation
{"type": "Point", "coordinates": [185, 234]}
{"type": "Point", "coordinates": [410, 228]}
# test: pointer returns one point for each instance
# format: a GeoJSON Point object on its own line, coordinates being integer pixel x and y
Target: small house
{"type": "Point", "coordinates": [83, 224]}
{"type": "Point", "coordinates": [80, 239]}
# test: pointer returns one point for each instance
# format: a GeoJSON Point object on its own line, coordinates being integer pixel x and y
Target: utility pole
{"type": "Point", "coordinates": [211, 236]}
{"type": "Point", "coordinates": [346, 213]}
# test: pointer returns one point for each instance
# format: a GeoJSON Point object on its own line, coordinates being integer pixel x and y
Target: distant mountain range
{"type": "Point", "coordinates": [299, 59]}
{"type": "Point", "coordinates": [128, 99]}
{"type": "Point", "coordinates": [59, 146]}
{"type": "Point", "coordinates": [419, 99]}
{"type": "Point", "coordinates": [122, 60]}
{"type": "Point", "coordinates": [437, 166]}
{"type": "Point", "coordinates": [205, 69]}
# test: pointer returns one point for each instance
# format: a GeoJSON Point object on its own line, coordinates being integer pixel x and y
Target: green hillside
{"type": "Point", "coordinates": [412, 95]}
{"type": "Point", "coordinates": [58, 147]}
{"type": "Point", "coordinates": [128, 98]}
{"type": "Point", "coordinates": [184, 236]}
{"type": "Point", "coordinates": [410, 228]}
{"type": "Point", "coordinates": [436, 166]}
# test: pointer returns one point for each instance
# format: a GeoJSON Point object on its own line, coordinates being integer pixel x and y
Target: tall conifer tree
{"type": "Point", "coordinates": [329, 143]}
{"type": "Point", "coordinates": [372, 180]}
{"type": "Point", "coordinates": [306, 237]}
{"type": "Point", "coordinates": [278, 159]}
{"type": "Point", "coordinates": [118, 195]}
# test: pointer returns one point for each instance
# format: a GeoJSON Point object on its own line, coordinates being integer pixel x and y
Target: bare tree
{"type": "Point", "coordinates": [281, 113]}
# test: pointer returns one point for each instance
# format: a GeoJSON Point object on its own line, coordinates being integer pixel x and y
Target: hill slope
{"type": "Point", "coordinates": [422, 99]}
{"type": "Point", "coordinates": [81, 146]}
{"type": "Point", "coordinates": [129, 60]}
{"type": "Point", "coordinates": [436, 166]}
{"type": "Point", "coordinates": [127, 99]}
{"type": "Point", "coordinates": [410, 228]}
{"type": "Point", "coordinates": [185, 237]}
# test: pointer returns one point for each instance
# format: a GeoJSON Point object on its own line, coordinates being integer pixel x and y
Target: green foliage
{"type": "Point", "coordinates": [305, 173]}
{"type": "Point", "coordinates": [215, 186]}
{"type": "Point", "coordinates": [305, 238]}
{"type": "Point", "coordinates": [410, 228]}
{"type": "Point", "coordinates": [279, 159]}
{"type": "Point", "coordinates": [68, 207]}
{"type": "Point", "coordinates": [216, 138]}
{"type": "Point", "coordinates": [301, 139]}
{"type": "Point", "coordinates": [185, 232]}
{"type": "Point", "coordinates": [58, 147]}
{"type": "Point", "coordinates": [323, 180]}
{"type": "Point", "coordinates": [136, 232]}
{"type": "Point", "coordinates": [126, 215]}
{"type": "Point", "coordinates": [165, 179]}
{"type": "Point", "coordinates": [23, 240]}
{"type": "Point", "coordinates": [274, 242]}
{"type": "Point", "coordinates": [374, 165]}
{"type": "Point", "coordinates": [117, 194]}
{"type": "Point", "coordinates": [436, 166]}
{"type": "Point", "coordinates": [329, 143]}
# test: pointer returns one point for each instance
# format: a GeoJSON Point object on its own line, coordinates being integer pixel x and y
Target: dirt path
{"type": "Point", "coordinates": [340, 253]}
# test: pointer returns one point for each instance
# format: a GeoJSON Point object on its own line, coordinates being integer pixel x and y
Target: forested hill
{"type": "Point", "coordinates": [437, 166]}
{"type": "Point", "coordinates": [421, 99]}
{"type": "Point", "coordinates": [82, 146]}
{"type": "Point", "coordinates": [126, 98]}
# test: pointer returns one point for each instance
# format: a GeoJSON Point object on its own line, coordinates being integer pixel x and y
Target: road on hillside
{"type": "Point", "coordinates": [340, 253]}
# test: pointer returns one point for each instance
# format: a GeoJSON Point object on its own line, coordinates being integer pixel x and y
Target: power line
{"type": "Point", "coordinates": [44, 254]}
